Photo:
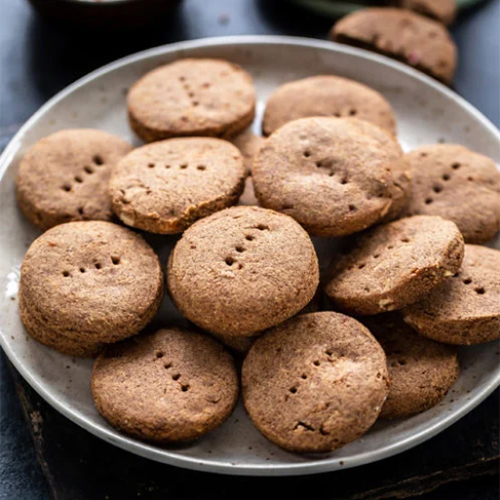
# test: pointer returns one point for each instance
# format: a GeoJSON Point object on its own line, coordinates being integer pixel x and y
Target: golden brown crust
{"type": "Point", "coordinates": [170, 386]}
{"type": "Point", "coordinates": [315, 382]}
{"type": "Point", "coordinates": [64, 177]}
{"type": "Point", "coordinates": [404, 35]}
{"type": "Point", "coordinates": [466, 309]}
{"type": "Point", "coordinates": [165, 186]}
{"type": "Point", "coordinates": [421, 371]}
{"type": "Point", "coordinates": [242, 270]}
{"type": "Point", "coordinates": [326, 95]}
{"type": "Point", "coordinates": [395, 265]}
{"type": "Point", "coordinates": [456, 184]}
{"type": "Point", "coordinates": [326, 174]}
{"type": "Point", "coordinates": [92, 282]}
{"type": "Point", "coordinates": [203, 97]}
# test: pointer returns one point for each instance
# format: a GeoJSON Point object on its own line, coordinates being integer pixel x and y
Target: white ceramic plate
{"type": "Point", "coordinates": [427, 112]}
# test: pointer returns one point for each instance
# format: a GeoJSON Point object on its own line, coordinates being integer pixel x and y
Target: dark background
{"type": "Point", "coordinates": [37, 59]}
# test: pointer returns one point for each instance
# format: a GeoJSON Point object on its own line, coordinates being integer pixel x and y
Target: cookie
{"type": "Point", "coordinates": [326, 174]}
{"type": "Point", "coordinates": [64, 177]}
{"type": "Point", "coordinates": [315, 382]}
{"type": "Point", "coordinates": [395, 265]}
{"type": "Point", "coordinates": [203, 97]}
{"type": "Point", "coordinates": [400, 169]}
{"type": "Point", "coordinates": [466, 309]}
{"type": "Point", "coordinates": [421, 371]}
{"type": "Point", "coordinates": [84, 284]}
{"type": "Point", "coordinates": [406, 36]}
{"type": "Point", "coordinates": [249, 145]}
{"type": "Point", "coordinates": [170, 386]}
{"type": "Point", "coordinates": [456, 184]}
{"type": "Point", "coordinates": [164, 187]}
{"type": "Point", "coordinates": [242, 270]}
{"type": "Point", "coordinates": [326, 95]}
{"type": "Point", "coordinates": [442, 10]}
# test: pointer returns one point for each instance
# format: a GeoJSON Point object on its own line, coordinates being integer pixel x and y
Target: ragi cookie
{"type": "Point", "coordinates": [440, 10]}
{"type": "Point", "coordinates": [208, 97]}
{"type": "Point", "coordinates": [170, 386]}
{"type": "Point", "coordinates": [400, 169]}
{"type": "Point", "coordinates": [326, 174]}
{"type": "Point", "coordinates": [164, 187]}
{"type": "Point", "coordinates": [64, 177]}
{"type": "Point", "coordinates": [466, 309]}
{"type": "Point", "coordinates": [242, 270]}
{"type": "Point", "coordinates": [315, 382]}
{"type": "Point", "coordinates": [406, 36]}
{"type": "Point", "coordinates": [456, 184]}
{"type": "Point", "coordinates": [421, 371]}
{"type": "Point", "coordinates": [84, 284]}
{"type": "Point", "coordinates": [395, 265]}
{"type": "Point", "coordinates": [327, 95]}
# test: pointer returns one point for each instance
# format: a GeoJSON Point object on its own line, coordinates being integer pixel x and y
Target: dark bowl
{"type": "Point", "coordinates": [105, 14]}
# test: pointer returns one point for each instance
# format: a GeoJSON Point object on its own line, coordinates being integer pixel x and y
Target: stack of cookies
{"type": "Point", "coordinates": [411, 284]}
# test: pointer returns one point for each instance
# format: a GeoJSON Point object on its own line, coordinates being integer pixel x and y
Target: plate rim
{"type": "Point", "coordinates": [172, 457]}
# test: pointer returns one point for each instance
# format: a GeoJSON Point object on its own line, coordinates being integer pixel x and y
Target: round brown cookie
{"type": "Point", "coordinates": [395, 264]}
{"type": "Point", "coordinates": [421, 371]}
{"type": "Point", "coordinates": [164, 187]}
{"type": "Point", "coordinates": [466, 309]}
{"type": "Point", "coordinates": [315, 382]}
{"type": "Point", "coordinates": [242, 270]}
{"type": "Point", "coordinates": [326, 174]}
{"type": "Point", "coordinates": [442, 10]}
{"type": "Point", "coordinates": [87, 283]}
{"type": "Point", "coordinates": [172, 385]}
{"type": "Point", "coordinates": [326, 95]}
{"type": "Point", "coordinates": [192, 97]}
{"type": "Point", "coordinates": [456, 184]}
{"type": "Point", "coordinates": [406, 36]}
{"type": "Point", "coordinates": [249, 145]}
{"type": "Point", "coordinates": [64, 177]}
{"type": "Point", "coordinates": [400, 169]}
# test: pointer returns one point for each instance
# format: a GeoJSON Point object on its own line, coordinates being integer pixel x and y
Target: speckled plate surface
{"type": "Point", "coordinates": [427, 112]}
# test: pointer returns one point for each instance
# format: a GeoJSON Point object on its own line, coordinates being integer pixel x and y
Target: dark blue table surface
{"type": "Point", "coordinates": [37, 60]}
